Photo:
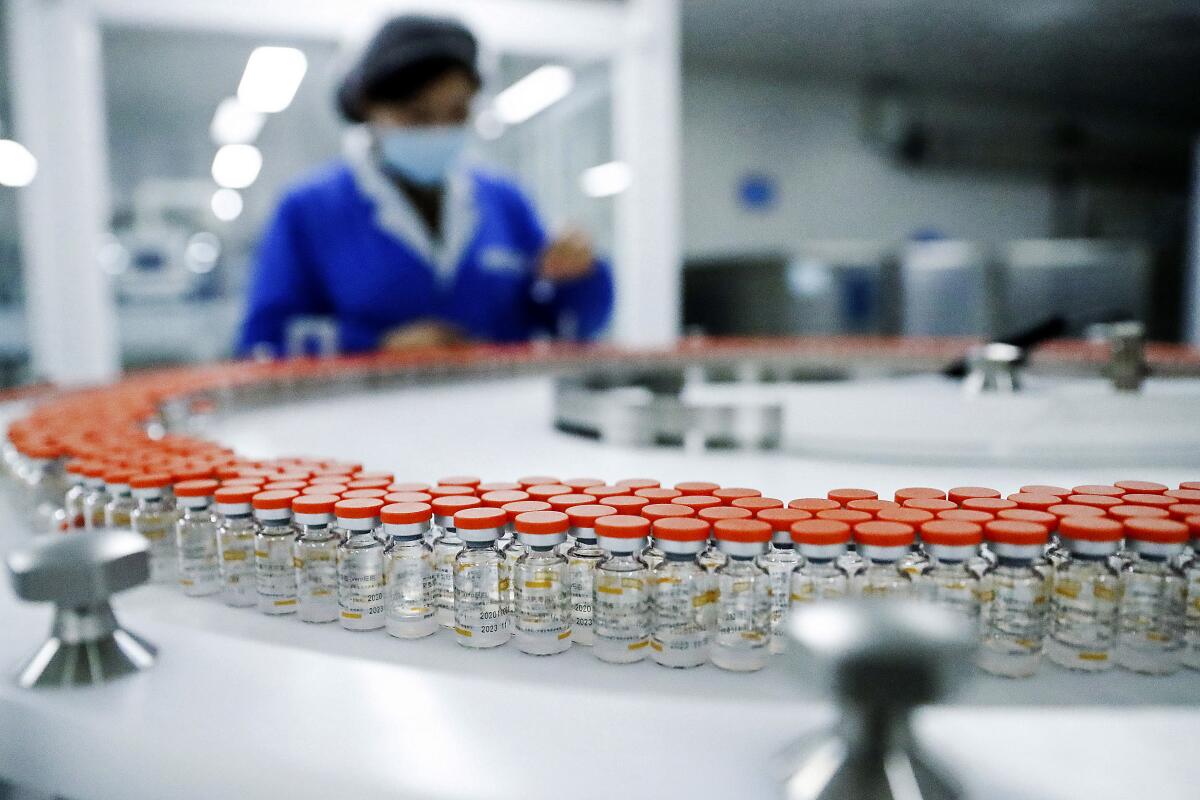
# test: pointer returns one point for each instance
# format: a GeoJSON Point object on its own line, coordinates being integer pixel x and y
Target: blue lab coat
{"type": "Point", "coordinates": [346, 244]}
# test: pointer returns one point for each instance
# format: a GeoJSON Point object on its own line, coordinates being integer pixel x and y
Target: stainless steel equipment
{"type": "Point", "coordinates": [993, 368]}
{"type": "Point", "coordinates": [78, 573]}
{"type": "Point", "coordinates": [886, 657]}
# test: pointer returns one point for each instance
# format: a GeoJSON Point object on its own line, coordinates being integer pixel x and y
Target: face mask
{"type": "Point", "coordinates": [423, 155]}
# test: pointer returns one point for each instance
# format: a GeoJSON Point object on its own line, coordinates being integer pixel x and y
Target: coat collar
{"type": "Point", "coordinates": [396, 215]}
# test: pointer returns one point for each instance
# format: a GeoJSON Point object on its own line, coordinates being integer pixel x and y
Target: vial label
{"type": "Point", "coordinates": [1084, 619]}
{"type": "Point", "coordinates": [479, 616]}
{"type": "Point", "coordinates": [543, 609]}
{"type": "Point", "coordinates": [161, 547]}
{"type": "Point", "coordinates": [810, 588]}
{"type": "Point", "coordinates": [779, 588]}
{"type": "Point", "coordinates": [199, 571]}
{"type": "Point", "coordinates": [317, 581]}
{"type": "Point", "coordinates": [743, 622]}
{"type": "Point", "coordinates": [237, 568]}
{"type": "Point", "coordinates": [1150, 630]}
{"type": "Point", "coordinates": [684, 611]}
{"type": "Point", "coordinates": [275, 574]}
{"type": "Point", "coordinates": [1013, 622]}
{"type": "Point", "coordinates": [621, 615]}
{"type": "Point", "coordinates": [409, 595]}
{"type": "Point", "coordinates": [443, 562]}
{"type": "Point", "coordinates": [581, 573]}
{"type": "Point", "coordinates": [360, 588]}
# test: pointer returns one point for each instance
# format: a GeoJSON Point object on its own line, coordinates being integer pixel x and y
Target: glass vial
{"type": "Point", "coordinates": [743, 631]}
{"type": "Point", "coordinates": [481, 578]}
{"type": "Point", "coordinates": [72, 512]}
{"type": "Point", "coordinates": [621, 598]}
{"type": "Point", "coordinates": [882, 545]}
{"type": "Point", "coordinates": [510, 546]}
{"type": "Point", "coordinates": [446, 547]}
{"type": "Point", "coordinates": [1150, 635]}
{"type": "Point", "coordinates": [949, 580]}
{"type": "Point", "coordinates": [410, 590]}
{"type": "Point", "coordinates": [1086, 598]}
{"type": "Point", "coordinates": [1014, 618]}
{"type": "Point", "coordinates": [196, 538]}
{"type": "Point", "coordinates": [121, 503]}
{"type": "Point", "coordinates": [683, 594]}
{"type": "Point", "coordinates": [541, 586]}
{"type": "Point", "coordinates": [274, 568]}
{"type": "Point", "coordinates": [582, 559]}
{"type": "Point", "coordinates": [236, 530]}
{"type": "Point", "coordinates": [1191, 571]}
{"type": "Point", "coordinates": [95, 497]}
{"type": "Point", "coordinates": [822, 544]}
{"type": "Point", "coordinates": [155, 520]}
{"type": "Point", "coordinates": [360, 564]}
{"type": "Point", "coordinates": [780, 561]}
{"type": "Point", "coordinates": [315, 558]}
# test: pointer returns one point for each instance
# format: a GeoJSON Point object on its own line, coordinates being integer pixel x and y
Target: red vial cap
{"type": "Point", "coordinates": [370, 483]}
{"type": "Point", "coordinates": [655, 511]}
{"type": "Point", "coordinates": [967, 515]}
{"type": "Point", "coordinates": [1013, 531]}
{"type": "Point", "coordinates": [499, 499]}
{"type": "Point", "coordinates": [1142, 487]}
{"type": "Point", "coordinates": [1152, 500]}
{"type": "Point", "coordinates": [951, 532]}
{"type": "Point", "coordinates": [581, 485]}
{"type": "Point", "coordinates": [1182, 511]}
{"type": "Point", "coordinates": [843, 496]}
{"type": "Point", "coordinates": [720, 512]}
{"type": "Point", "coordinates": [286, 486]}
{"type": "Point", "coordinates": [960, 493]}
{"type": "Point", "coordinates": [918, 493]}
{"type": "Point", "coordinates": [276, 498]}
{"type": "Point", "coordinates": [820, 532]}
{"type": "Point", "coordinates": [633, 484]}
{"type": "Point", "coordinates": [312, 503]}
{"type": "Point", "coordinates": [535, 480]}
{"type": "Point", "coordinates": [561, 502]}
{"type": "Point", "coordinates": [450, 491]}
{"type": "Point", "coordinates": [623, 526]}
{"type": "Point", "coordinates": [544, 491]}
{"type": "Point", "coordinates": [498, 486]}
{"type": "Point", "coordinates": [813, 504]}
{"type": "Point", "coordinates": [1097, 500]}
{"type": "Point", "coordinates": [601, 492]}
{"type": "Point", "coordinates": [680, 529]}
{"type": "Point", "coordinates": [523, 507]}
{"type": "Point", "coordinates": [407, 497]}
{"type": "Point", "coordinates": [481, 518]}
{"type": "Point", "coordinates": [757, 504]}
{"type": "Point", "coordinates": [408, 486]}
{"type": "Point", "coordinates": [405, 513]}
{"type": "Point", "coordinates": [150, 480]}
{"type": "Point", "coordinates": [730, 493]}
{"type": "Point", "coordinates": [909, 516]}
{"type": "Point", "coordinates": [459, 480]}
{"type": "Point", "coordinates": [325, 488]}
{"type": "Point", "coordinates": [742, 530]}
{"type": "Point", "coordinates": [782, 519]}
{"type": "Point", "coordinates": [235, 494]}
{"type": "Point", "coordinates": [846, 515]}
{"type": "Point", "coordinates": [196, 488]}
{"type": "Point", "coordinates": [449, 506]}
{"type": "Point", "coordinates": [537, 522]}
{"type": "Point", "coordinates": [1034, 502]}
{"type": "Point", "coordinates": [1045, 488]}
{"type": "Point", "coordinates": [117, 475]}
{"type": "Point", "coordinates": [1190, 486]}
{"type": "Point", "coordinates": [1075, 510]}
{"type": "Point", "coordinates": [1044, 518]}
{"type": "Point", "coordinates": [932, 504]}
{"type": "Point", "coordinates": [658, 495]}
{"type": "Point", "coordinates": [1124, 512]}
{"type": "Point", "coordinates": [1159, 531]}
{"type": "Point", "coordinates": [697, 487]}
{"type": "Point", "coordinates": [249, 480]}
{"type": "Point", "coordinates": [627, 503]}
{"type": "Point", "coordinates": [358, 494]}
{"type": "Point", "coordinates": [586, 516]}
{"type": "Point", "coordinates": [697, 501]}
{"type": "Point", "coordinates": [1098, 489]}
{"type": "Point", "coordinates": [990, 504]}
{"type": "Point", "coordinates": [1091, 529]}
{"type": "Point", "coordinates": [884, 534]}
{"type": "Point", "coordinates": [872, 507]}
{"type": "Point", "coordinates": [1185, 495]}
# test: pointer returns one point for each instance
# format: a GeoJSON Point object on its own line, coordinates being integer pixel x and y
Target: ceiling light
{"type": "Point", "coordinates": [605, 180]}
{"type": "Point", "coordinates": [18, 167]}
{"type": "Point", "coordinates": [272, 76]}
{"type": "Point", "coordinates": [226, 204]}
{"type": "Point", "coordinates": [233, 123]}
{"type": "Point", "coordinates": [534, 93]}
{"type": "Point", "coordinates": [236, 166]}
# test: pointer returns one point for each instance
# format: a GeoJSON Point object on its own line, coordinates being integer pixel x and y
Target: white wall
{"type": "Point", "coordinates": [830, 183]}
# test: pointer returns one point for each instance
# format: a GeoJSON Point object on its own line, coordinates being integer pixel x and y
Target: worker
{"type": "Point", "coordinates": [399, 242]}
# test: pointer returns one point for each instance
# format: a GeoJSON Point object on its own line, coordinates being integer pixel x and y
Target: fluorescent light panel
{"type": "Point", "coordinates": [533, 94]}
{"type": "Point", "coordinates": [236, 166]}
{"type": "Point", "coordinates": [233, 123]}
{"type": "Point", "coordinates": [18, 167]}
{"type": "Point", "coordinates": [271, 78]}
{"type": "Point", "coordinates": [605, 180]}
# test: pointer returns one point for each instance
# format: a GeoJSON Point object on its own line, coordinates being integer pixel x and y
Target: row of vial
{"type": "Point", "coordinates": [687, 597]}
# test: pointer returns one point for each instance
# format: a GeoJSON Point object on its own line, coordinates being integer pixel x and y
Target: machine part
{"type": "Point", "coordinates": [993, 368]}
{"type": "Point", "coordinates": [886, 658]}
{"type": "Point", "coordinates": [1127, 362]}
{"type": "Point", "coordinates": [78, 573]}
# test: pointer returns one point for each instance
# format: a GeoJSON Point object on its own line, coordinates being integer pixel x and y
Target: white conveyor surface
{"type": "Point", "coordinates": [248, 706]}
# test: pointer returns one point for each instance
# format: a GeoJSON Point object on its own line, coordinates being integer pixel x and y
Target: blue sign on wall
{"type": "Point", "coordinates": [757, 191]}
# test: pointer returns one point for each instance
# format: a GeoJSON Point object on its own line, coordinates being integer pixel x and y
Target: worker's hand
{"type": "Point", "coordinates": [567, 258]}
{"type": "Point", "coordinates": [426, 333]}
